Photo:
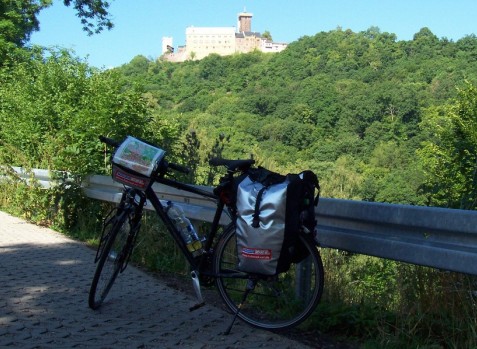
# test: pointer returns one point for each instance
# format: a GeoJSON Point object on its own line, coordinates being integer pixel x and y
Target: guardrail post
{"type": "Point", "coordinates": [303, 278]}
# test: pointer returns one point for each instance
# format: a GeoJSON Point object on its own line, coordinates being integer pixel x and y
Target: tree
{"type": "Point", "coordinates": [90, 11]}
{"type": "Point", "coordinates": [266, 35]}
{"type": "Point", "coordinates": [424, 43]}
{"type": "Point", "coordinates": [54, 107]}
{"type": "Point", "coordinates": [450, 153]}
{"type": "Point", "coordinates": [19, 18]}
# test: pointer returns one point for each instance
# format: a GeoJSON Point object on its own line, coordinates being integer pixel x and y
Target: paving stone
{"type": "Point", "coordinates": [45, 280]}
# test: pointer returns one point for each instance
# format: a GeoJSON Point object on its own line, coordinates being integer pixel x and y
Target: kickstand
{"type": "Point", "coordinates": [250, 287]}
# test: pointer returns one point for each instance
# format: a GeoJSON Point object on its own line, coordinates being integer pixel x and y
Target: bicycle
{"type": "Point", "coordinates": [269, 302]}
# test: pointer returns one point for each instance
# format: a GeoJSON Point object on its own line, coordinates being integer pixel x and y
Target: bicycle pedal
{"type": "Point", "coordinates": [197, 306]}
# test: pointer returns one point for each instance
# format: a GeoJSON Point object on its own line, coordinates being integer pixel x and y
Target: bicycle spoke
{"type": "Point", "coordinates": [112, 259]}
{"type": "Point", "coordinates": [277, 302]}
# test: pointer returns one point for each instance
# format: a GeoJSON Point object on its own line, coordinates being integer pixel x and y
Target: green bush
{"type": "Point", "coordinates": [54, 107]}
{"type": "Point", "coordinates": [386, 304]}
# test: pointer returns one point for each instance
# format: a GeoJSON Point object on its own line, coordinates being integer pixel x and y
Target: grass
{"type": "Point", "coordinates": [387, 304]}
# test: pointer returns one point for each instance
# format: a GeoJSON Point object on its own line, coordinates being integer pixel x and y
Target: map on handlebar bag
{"type": "Point", "coordinates": [138, 156]}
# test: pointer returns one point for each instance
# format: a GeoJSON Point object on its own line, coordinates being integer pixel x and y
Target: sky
{"type": "Point", "coordinates": [140, 25]}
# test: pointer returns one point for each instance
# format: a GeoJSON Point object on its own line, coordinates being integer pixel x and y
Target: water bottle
{"type": "Point", "coordinates": [185, 227]}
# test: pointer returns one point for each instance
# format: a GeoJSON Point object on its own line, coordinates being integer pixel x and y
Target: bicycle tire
{"type": "Point", "coordinates": [276, 303]}
{"type": "Point", "coordinates": [111, 260]}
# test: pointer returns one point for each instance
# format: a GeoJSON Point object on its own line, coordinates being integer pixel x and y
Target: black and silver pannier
{"type": "Point", "coordinates": [271, 210]}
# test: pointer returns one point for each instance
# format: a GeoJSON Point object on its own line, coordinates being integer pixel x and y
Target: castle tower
{"type": "Point", "coordinates": [167, 45]}
{"type": "Point", "coordinates": [245, 22]}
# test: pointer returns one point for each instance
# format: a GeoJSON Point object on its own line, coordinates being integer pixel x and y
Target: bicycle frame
{"type": "Point", "coordinates": [194, 262]}
{"type": "Point", "coordinates": [219, 261]}
{"type": "Point", "coordinates": [160, 210]}
{"type": "Point", "coordinates": [273, 306]}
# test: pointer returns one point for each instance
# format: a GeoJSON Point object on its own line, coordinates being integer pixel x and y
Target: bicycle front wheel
{"type": "Point", "coordinates": [276, 302]}
{"type": "Point", "coordinates": [113, 256]}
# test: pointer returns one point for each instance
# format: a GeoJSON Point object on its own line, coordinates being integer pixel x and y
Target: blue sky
{"type": "Point", "coordinates": [141, 24]}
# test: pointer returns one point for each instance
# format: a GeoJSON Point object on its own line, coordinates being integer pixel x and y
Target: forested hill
{"type": "Point", "coordinates": [376, 118]}
{"type": "Point", "coordinates": [347, 105]}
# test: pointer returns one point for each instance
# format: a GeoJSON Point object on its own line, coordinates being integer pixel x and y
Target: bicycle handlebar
{"type": "Point", "coordinates": [116, 144]}
{"type": "Point", "coordinates": [179, 168]}
{"type": "Point", "coordinates": [232, 165]}
{"type": "Point", "coordinates": [109, 141]}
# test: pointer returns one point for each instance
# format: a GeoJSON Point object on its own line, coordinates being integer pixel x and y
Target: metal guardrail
{"type": "Point", "coordinates": [436, 237]}
{"type": "Point", "coordinates": [196, 207]}
{"type": "Point", "coordinates": [429, 236]}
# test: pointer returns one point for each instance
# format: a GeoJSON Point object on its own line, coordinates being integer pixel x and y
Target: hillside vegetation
{"type": "Point", "coordinates": [363, 110]}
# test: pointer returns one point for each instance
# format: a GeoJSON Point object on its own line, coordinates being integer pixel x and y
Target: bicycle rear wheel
{"type": "Point", "coordinates": [113, 255]}
{"type": "Point", "coordinates": [277, 302]}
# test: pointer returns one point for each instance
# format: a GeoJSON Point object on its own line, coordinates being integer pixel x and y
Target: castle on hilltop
{"type": "Point", "coordinates": [202, 41]}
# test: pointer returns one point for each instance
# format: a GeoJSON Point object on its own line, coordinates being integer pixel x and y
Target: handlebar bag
{"type": "Point", "coordinates": [135, 162]}
{"type": "Point", "coordinates": [271, 210]}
